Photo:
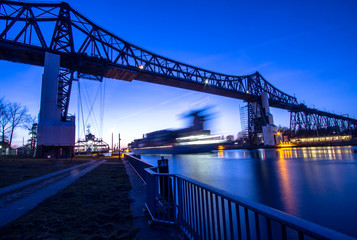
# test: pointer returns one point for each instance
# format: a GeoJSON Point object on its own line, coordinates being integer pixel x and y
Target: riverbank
{"type": "Point", "coordinates": [289, 145]}
{"type": "Point", "coordinates": [96, 206]}
{"type": "Point", "coordinates": [106, 203]}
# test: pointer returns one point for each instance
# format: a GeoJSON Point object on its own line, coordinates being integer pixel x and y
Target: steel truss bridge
{"type": "Point", "coordinates": [28, 30]}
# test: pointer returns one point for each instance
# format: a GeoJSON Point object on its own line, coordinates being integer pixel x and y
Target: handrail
{"type": "Point", "coordinates": [138, 166]}
{"type": "Point", "coordinates": [205, 212]}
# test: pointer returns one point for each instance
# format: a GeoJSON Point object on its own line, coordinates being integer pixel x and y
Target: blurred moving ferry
{"type": "Point", "coordinates": [193, 139]}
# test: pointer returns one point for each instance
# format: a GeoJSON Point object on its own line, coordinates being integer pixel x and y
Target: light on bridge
{"type": "Point", "coordinates": [141, 66]}
{"type": "Point", "coordinates": [206, 81]}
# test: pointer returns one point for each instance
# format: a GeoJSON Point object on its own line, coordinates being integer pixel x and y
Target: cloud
{"type": "Point", "coordinates": [154, 106]}
{"type": "Point", "coordinates": [256, 68]}
{"type": "Point", "coordinates": [296, 35]}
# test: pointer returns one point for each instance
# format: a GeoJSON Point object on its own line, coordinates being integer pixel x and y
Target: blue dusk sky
{"type": "Point", "coordinates": [304, 48]}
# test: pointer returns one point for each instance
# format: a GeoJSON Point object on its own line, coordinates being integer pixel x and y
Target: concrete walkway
{"type": "Point", "coordinates": [22, 184]}
{"type": "Point", "coordinates": [17, 208]}
{"type": "Point", "coordinates": [141, 218]}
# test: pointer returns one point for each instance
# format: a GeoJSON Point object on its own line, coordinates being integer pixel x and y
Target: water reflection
{"type": "Point", "coordinates": [220, 154]}
{"type": "Point", "coordinates": [317, 153]}
{"type": "Point", "coordinates": [285, 184]}
{"type": "Point", "coordinates": [318, 184]}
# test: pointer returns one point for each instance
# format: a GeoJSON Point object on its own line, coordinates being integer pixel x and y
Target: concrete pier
{"type": "Point", "coordinates": [55, 136]}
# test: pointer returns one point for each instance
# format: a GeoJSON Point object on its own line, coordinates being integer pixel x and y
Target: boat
{"type": "Point", "coordinates": [91, 145]}
{"type": "Point", "coordinates": [194, 139]}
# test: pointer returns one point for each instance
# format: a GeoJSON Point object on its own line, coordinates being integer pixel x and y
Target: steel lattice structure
{"type": "Point", "coordinates": [28, 30]}
{"type": "Point", "coordinates": [316, 123]}
{"type": "Point", "coordinates": [66, 77]}
{"type": "Point", "coordinates": [26, 33]}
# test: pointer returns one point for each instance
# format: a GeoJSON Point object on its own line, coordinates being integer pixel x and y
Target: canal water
{"type": "Point", "coordinates": [318, 184]}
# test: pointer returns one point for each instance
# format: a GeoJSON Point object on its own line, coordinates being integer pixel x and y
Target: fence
{"type": "Point", "coordinates": [138, 165]}
{"type": "Point", "coordinates": [204, 212]}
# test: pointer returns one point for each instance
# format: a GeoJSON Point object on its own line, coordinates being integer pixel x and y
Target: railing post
{"type": "Point", "coordinates": [149, 193]}
{"type": "Point", "coordinates": [178, 196]}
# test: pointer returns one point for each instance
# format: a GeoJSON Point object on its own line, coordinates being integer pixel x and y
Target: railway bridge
{"type": "Point", "coordinates": [70, 46]}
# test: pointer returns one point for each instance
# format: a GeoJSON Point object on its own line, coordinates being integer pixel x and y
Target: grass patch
{"type": "Point", "coordinates": [16, 170]}
{"type": "Point", "coordinates": [96, 206]}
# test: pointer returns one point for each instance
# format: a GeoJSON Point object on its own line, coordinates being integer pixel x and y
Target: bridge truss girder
{"type": "Point", "coordinates": [98, 52]}
{"type": "Point", "coordinates": [315, 124]}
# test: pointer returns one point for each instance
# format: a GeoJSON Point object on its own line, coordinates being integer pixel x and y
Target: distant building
{"type": "Point", "coordinates": [230, 138]}
{"type": "Point", "coordinates": [4, 148]}
{"type": "Point", "coordinates": [241, 135]}
{"type": "Point", "coordinates": [24, 150]}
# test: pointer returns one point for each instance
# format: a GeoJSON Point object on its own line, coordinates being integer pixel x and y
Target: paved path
{"type": "Point", "coordinates": [18, 199]}
{"type": "Point", "coordinates": [141, 218]}
{"type": "Point", "coordinates": [37, 179]}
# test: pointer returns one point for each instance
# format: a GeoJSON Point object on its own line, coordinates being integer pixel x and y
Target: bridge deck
{"type": "Point", "coordinates": [89, 49]}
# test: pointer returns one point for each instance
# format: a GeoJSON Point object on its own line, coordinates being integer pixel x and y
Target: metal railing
{"type": "Point", "coordinates": [138, 166]}
{"type": "Point", "coordinates": [203, 212]}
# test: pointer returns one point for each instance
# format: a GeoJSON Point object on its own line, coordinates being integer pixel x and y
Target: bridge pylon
{"type": "Point", "coordinates": [56, 130]}
{"type": "Point", "coordinates": [261, 126]}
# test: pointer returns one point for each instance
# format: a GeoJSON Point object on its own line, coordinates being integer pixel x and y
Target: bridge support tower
{"type": "Point", "coordinates": [56, 130]}
{"type": "Point", "coordinates": [260, 122]}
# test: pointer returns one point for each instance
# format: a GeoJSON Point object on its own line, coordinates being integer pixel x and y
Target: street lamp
{"type": "Point", "coordinates": [119, 147]}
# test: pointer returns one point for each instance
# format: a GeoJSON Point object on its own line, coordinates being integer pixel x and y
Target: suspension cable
{"type": "Point", "coordinates": [90, 108]}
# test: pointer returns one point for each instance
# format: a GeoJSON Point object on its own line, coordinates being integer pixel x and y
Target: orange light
{"type": "Point", "coordinates": [220, 147]}
{"type": "Point", "coordinates": [285, 145]}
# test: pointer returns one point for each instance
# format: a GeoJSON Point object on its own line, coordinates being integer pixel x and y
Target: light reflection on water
{"type": "Point", "coordinates": [318, 183]}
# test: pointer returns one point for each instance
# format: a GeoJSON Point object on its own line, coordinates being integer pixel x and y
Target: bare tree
{"type": "Point", "coordinates": [18, 115]}
{"type": "Point", "coordinates": [30, 124]}
{"type": "Point", "coordinates": [29, 121]}
{"type": "Point", "coordinates": [4, 118]}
